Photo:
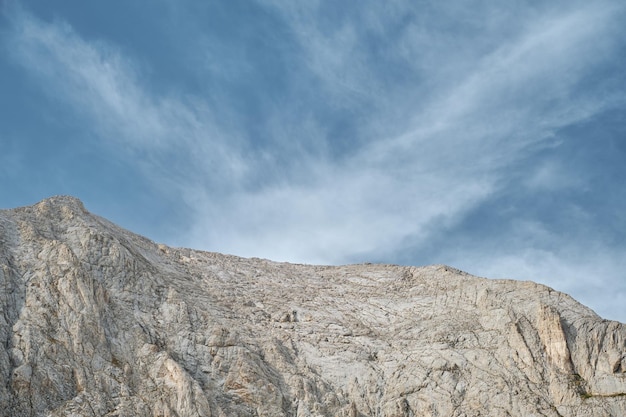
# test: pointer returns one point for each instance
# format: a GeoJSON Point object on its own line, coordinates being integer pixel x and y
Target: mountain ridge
{"type": "Point", "coordinates": [97, 320]}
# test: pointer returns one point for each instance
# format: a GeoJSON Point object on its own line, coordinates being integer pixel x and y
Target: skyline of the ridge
{"type": "Point", "coordinates": [491, 138]}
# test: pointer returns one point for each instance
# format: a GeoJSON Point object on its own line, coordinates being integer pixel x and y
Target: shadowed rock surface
{"type": "Point", "coordinates": [97, 321]}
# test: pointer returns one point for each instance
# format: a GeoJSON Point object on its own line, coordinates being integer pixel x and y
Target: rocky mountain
{"type": "Point", "coordinates": [97, 321]}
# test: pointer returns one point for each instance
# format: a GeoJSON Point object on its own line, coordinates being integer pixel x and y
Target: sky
{"type": "Point", "coordinates": [489, 136]}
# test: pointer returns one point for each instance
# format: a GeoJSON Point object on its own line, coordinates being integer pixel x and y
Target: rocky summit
{"type": "Point", "coordinates": [98, 321]}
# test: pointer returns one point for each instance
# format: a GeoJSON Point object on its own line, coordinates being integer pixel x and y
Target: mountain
{"type": "Point", "coordinates": [98, 321]}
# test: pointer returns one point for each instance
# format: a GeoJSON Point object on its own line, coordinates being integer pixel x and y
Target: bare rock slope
{"type": "Point", "coordinates": [97, 321]}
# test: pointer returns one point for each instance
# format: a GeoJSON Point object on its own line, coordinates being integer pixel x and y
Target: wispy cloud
{"type": "Point", "coordinates": [451, 155]}
{"type": "Point", "coordinates": [551, 175]}
{"type": "Point", "coordinates": [175, 137]}
{"type": "Point", "coordinates": [391, 127]}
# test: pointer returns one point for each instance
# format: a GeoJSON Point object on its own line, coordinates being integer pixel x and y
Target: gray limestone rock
{"type": "Point", "coordinates": [97, 321]}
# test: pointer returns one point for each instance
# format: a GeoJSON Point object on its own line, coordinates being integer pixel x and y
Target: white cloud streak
{"type": "Point", "coordinates": [451, 157]}
{"type": "Point", "coordinates": [104, 87]}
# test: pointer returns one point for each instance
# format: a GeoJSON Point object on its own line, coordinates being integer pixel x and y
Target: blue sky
{"type": "Point", "coordinates": [490, 136]}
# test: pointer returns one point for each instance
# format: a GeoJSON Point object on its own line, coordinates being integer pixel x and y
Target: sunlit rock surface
{"type": "Point", "coordinates": [97, 321]}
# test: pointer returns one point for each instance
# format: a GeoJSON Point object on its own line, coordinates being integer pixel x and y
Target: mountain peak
{"type": "Point", "coordinates": [97, 321]}
{"type": "Point", "coordinates": [59, 201]}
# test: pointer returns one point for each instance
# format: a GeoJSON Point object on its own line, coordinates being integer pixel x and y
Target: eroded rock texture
{"type": "Point", "coordinates": [97, 321]}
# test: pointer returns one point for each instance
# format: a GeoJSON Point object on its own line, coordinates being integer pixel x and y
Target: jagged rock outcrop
{"type": "Point", "coordinates": [97, 321]}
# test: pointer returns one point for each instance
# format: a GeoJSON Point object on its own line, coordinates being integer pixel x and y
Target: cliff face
{"type": "Point", "coordinates": [97, 321]}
